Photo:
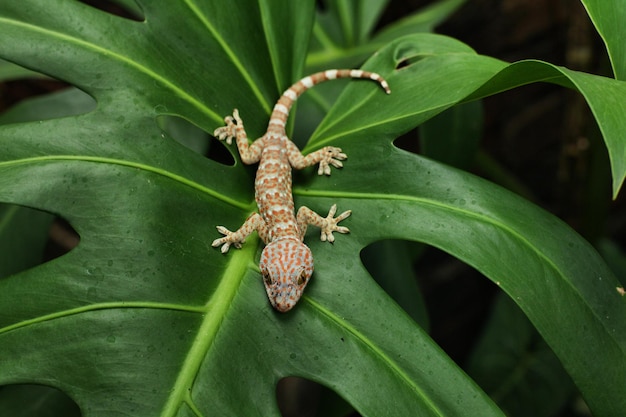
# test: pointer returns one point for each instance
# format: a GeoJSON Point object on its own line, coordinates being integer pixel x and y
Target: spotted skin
{"type": "Point", "coordinates": [286, 262]}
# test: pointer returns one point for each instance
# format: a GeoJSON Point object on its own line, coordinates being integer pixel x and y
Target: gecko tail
{"type": "Point", "coordinates": [284, 104]}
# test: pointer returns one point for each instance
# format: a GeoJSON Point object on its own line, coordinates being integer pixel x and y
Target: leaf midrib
{"type": "Point", "coordinates": [215, 310]}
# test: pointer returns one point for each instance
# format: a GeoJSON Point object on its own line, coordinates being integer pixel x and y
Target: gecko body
{"type": "Point", "coordinates": [286, 262]}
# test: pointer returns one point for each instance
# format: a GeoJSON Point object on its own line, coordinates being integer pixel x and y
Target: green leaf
{"type": "Point", "coordinates": [608, 17]}
{"type": "Point", "coordinates": [425, 20]}
{"type": "Point", "coordinates": [605, 97]}
{"type": "Point", "coordinates": [614, 257]}
{"type": "Point", "coordinates": [144, 317]}
{"type": "Point", "coordinates": [23, 234]}
{"type": "Point", "coordinates": [369, 12]}
{"type": "Point", "coordinates": [36, 400]}
{"type": "Point", "coordinates": [453, 137]}
{"type": "Point", "coordinates": [516, 245]}
{"type": "Point", "coordinates": [54, 105]}
{"type": "Point", "coordinates": [329, 50]}
{"type": "Point", "coordinates": [473, 76]}
{"type": "Point", "coordinates": [342, 35]}
{"type": "Point", "coordinates": [516, 367]}
{"type": "Point", "coordinates": [10, 71]}
{"type": "Point", "coordinates": [390, 263]}
{"type": "Point", "coordinates": [24, 231]}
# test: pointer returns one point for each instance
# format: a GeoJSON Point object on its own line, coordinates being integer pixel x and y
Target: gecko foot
{"type": "Point", "coordinates": [227, 240]}
{"type": "Point", "coordinates": [330, 156]}
{"type": "Point", "coordinates": [229, 131]}
{"type": "Point", "coordinates": [330, 224]}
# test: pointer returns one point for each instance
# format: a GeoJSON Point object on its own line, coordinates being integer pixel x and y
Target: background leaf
{"type": "Point", "coordinates": [453, 137]}
{"type": "Point", "coordinates": [31, 400]}
{"type": "Point", "coordinates": [343, 34]}
{"type": "Point", "coordinates": [607, 17]}
{"type": "Point", "coordinates": [23, 234]}
{"type": "Point", "coordinates": [603, 95]}
{"type": "Point", "coordinates": [423, 21]}
{"type": "Point", "coordinates": [516, 367]}
{"type": "Point", "coordinates": [10, 71]}
{"type": "Point", "coordinates": [143, 317]}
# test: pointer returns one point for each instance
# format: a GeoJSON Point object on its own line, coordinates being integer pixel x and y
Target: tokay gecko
{"type": "Point", "coordinates": [286, 262]}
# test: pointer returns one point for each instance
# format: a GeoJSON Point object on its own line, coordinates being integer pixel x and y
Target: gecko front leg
{"type": "Point", "coordinates": [327, 156]}
{"type": "Point", "coordinates": [250, 153]}
{"type": "Point", "coordinates": [328, 224]}
{"type": "Point", "coordinates": [252, 223]}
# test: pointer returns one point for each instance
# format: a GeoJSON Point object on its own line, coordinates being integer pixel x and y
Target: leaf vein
{"type": "Point", "coordinates": [131, 164]}
{"type": "Point", "coordinates": [121, 58]}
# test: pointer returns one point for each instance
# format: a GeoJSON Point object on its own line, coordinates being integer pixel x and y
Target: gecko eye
{"type": "Point", "coordinates": [302, 278]}
{"type": "Point", "coordinates": [266, 278]}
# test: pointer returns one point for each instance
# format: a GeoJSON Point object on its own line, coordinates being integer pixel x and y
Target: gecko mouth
{"type": "Point", "coordinates": [283, 308]}
{"type": "Point", "coordinates": [283, 305]}
{"type": "Point", "coordinates": [283, 298]}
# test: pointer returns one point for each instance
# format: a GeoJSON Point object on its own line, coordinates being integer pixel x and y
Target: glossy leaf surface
{"type": "Point", "coordinates": [145, 318]}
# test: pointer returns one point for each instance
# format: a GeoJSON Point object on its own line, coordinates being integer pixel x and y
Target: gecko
{"type": "Point", "coordinates": [286, 262]}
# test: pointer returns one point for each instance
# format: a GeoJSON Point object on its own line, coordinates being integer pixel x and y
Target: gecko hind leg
{"type": "Point", "coordinates": [252, 223]}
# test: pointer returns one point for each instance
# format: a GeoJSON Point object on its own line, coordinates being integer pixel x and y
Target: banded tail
{"type": "Point", "coordinates": [285, 102]}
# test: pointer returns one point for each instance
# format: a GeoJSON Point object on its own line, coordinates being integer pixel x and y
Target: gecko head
{"type": "Point", "coordinates": [287, 266]}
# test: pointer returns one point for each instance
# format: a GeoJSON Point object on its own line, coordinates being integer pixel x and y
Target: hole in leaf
{"type": "Point", "coordinates": [408, 61]}
{"type": "Point", "coordinates": [32, 96]}
{"type": "Point", "coordinates": [391, 264]}
{"type": "Point", "coordinates": [409, 141]}
{"type": "Point", "coordinates": [444, 295]}
{"type": "Point", "coordinates": [125, 9]}
{"type": "Point", "coordinates": [502, 352]}
{"type": "Point", "coordinates": [30, 237]}
{"type": "Point", "coordinates": [458, 300]}
{"type": "Point", "coordinates": [312, 107]}
{"type": "Point", "coordinates": [62, 239]}
{"type": "Point", "coordinates": [24, 84]}
{"type": "Point", "coordinates": [36, 400]}
{"type": "Point", "coordinates": [402, 64]}
{"type": "Point", "coordinates": [62, 103]}
{"type": "Point", "coordinates": [298, 397]}
{"type": "Point", "coordinates": [194, 138]}
{"type": "Point", "coordinates": [406, 56]}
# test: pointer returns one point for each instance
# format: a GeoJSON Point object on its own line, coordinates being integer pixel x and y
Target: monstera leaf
{"type": "Point", "coordinates": [145, 318]}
